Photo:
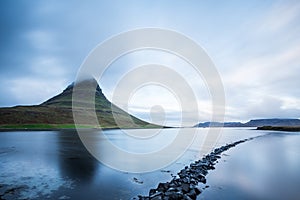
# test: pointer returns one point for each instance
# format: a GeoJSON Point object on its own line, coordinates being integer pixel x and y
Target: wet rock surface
{"type": "Point", "coordinates": [185, 184]}
{"type": "Point", "coordinates": [10, 192]}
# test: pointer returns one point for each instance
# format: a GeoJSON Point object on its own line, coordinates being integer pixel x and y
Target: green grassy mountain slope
{"type": "Point", "coordinates": [57, 111]}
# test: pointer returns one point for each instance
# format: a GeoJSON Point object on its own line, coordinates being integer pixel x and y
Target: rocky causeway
{"type": "Point", "coordinates": [186, 185]}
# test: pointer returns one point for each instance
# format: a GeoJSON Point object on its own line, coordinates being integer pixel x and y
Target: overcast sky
{"type": "Point", "coordinates": [255, 46]}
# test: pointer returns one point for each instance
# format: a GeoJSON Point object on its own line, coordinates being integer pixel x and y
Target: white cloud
{"type": "Point", "coordinates": [42, 39]}
{"type": "Point", "coordinates": [33, 90]}
{"type": "Point", "coordinates": [263, 76]}
{"type": "Point", "coordinates": [46, 72]}
{"type": "Point", "coordinates": [48, 67]}
{"type": "Point", "coordinates": [281, 15]}
{"type": "Point", "coordinates": [124, 75]}
{"type": "Point", "coordinates": [290, 103]}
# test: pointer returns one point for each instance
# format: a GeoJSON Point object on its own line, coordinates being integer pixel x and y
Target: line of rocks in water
{"type": "Point", "coordinates": [185, 185]}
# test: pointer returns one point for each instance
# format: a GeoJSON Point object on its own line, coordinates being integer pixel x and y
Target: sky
{"type": "Point", "coordinates": [255, 46]}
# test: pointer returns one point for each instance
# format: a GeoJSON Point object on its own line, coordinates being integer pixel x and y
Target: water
{"type": "Point", "coordinates": [265, 168]}
{"type": "Point", "coordinates": [56, 165]}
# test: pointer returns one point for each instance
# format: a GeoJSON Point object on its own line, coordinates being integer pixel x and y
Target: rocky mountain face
{"type": "Point", "coordinates": [58, 109]}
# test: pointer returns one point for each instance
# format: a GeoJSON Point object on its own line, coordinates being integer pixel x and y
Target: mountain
{"type": "Point", "coordinates": [57, 111]}
{"type": "Point", "coordinates": [253, 123]}
{"type": "Point", "coordinates": [219, 124]}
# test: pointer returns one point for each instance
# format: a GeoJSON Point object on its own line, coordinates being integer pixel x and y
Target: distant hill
{"type": "Point", "coordinates": [219, 124]}
{"type": "Point", "coordinates": [253, 123]}
{"type": "Point", "coordinates": [57, 111]}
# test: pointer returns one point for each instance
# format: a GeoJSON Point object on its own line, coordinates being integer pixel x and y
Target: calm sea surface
{"type": "Point", "coordinates": [56, 165]}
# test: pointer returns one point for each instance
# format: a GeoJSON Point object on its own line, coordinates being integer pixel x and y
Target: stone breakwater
{"type": "Point", "coordinates": [185, 184]}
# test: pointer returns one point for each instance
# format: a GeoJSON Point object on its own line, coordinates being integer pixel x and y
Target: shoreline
{"type": "Point", "coordinates": [186, 184]}
{"type": "Point", "coordinates": [4, 129]}
{"type": "Point", "coordinates": [279, 128]}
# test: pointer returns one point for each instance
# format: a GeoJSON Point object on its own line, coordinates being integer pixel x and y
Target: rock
{"type": "Point", "coordinates": [185, 187]}
{"type": "Point", "coordinates": [171, 189]}
{"type": "Point", "coordinates": [172, 184]}
{"type": "Point", "coordinates": [162, 187]}
{"type": "Point", "coordinates": [197, 190]}
{"type": "Point", "coordinates": [187, 198]}
{"type": "Point", "coordinates": [156, 196]}
{"type": "Point", "coordinates": [193, 165]}
{"type": "Point", "coordinates": [176, 182]}
{"type": "Point", "coordinates": [194, 181]}
{"type": "Point", "coordinates": [192, 194]}
{"type": "Point", "coordinates": [186, 180]}
{"type": "Point", "coordinates": [175, 196]}
{"type": "Point", "coordinates": [151, 192]}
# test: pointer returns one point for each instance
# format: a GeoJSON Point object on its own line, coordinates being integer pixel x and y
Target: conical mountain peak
{"type": "Point", "coordinates": [58, 110]}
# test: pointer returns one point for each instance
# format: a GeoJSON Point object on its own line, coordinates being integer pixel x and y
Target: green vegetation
{"type": "Point", "coordinates": [43, 126]}
{"type": "Point", "coordinates": [61, 126]}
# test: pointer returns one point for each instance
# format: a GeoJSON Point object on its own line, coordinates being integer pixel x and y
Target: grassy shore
{"type": "Point", "coordinates": [280, 128]}
{"type": "Point", "coordinates": [5, 127]}
{"type": "Point", "coordinates": [42, 126]}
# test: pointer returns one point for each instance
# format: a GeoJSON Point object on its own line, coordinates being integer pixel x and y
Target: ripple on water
{"type": "Point", "coordinates": [32, 184]}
